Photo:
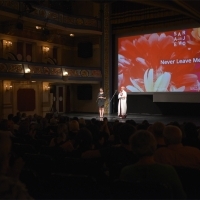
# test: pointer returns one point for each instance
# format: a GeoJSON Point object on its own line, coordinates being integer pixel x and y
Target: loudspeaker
{"type": "Point", "coordinates": [84, 92]}
{"type": "Point", "coordinates": [85, 50]}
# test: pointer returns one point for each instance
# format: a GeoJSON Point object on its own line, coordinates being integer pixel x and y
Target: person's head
{"type": "Point", "coordinates": [53, 121]}
{"type": "Point", "coordinates": [5, 148]}
{"type": "Point", "coordinates": [131, 121]}
{"type": "Point", "coordinates": [73, 126]}
{"type": "Point", "coordinates": [105, 119]}
{"type": "Point", "coordinates": [143, 143]}
{"type": "Point", "coordinates": [101, 89]}
{"type": "Point", "coordinates": [157, 129]}
{"type": "Point", "coordinates": [23, 115]}
{"type": "Point", "coordinates": [172, 134]}
{"type": "Point", "coordinates": [62, 130]}
{"type": "Point", "coordinates": [18, 114]}
{"type": "Point", "coordinates": [122, 88]}
{"type": "Point", "coordinates": [75, 118]}
{"type": "Point", "coordinates": [125, 132]}
{"type": "Point", "coordinates": [175, 123]}
{"type": "Point", "coordinates": [82, 121]}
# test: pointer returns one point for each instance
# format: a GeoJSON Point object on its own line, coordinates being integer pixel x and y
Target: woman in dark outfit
{"type": "Point", "coordinates": [101, 100]}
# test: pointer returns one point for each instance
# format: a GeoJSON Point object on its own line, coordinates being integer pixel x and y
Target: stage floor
{"type": "Point", "coordinates": [138, 118]}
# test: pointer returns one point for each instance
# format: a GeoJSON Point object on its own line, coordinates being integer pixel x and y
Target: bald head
{"type": "Point", "coordinates": [172, 134]}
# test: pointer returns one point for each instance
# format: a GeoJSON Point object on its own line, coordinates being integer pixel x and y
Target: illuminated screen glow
{"type": "Point", "coordinates": [160, 62]}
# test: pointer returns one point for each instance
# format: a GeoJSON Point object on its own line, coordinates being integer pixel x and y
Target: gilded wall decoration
{"type": "Point", "coordinates": [46, 70]}
{"type": "Point", "coordinates": [49, 70]}
{"type": "Point", "coordinates": [56, 71]}
{"type": "Point", "coordinates": [15, 68]}
{"type": "Point", "coordinates": [3, 67]}
{"type": "Point", "coordinates": [84, 73]}
{"type": "Point", "coordinates": [36, 69]}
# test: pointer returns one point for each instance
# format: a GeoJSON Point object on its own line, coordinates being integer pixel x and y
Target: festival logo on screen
{"type": "Point", "coordinates": [160, 62]}
{"type": "Point", "coordinates": [179, 38]}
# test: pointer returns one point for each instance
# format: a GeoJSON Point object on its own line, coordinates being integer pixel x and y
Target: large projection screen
{"type": "Point", "coordinates": [160, 64]}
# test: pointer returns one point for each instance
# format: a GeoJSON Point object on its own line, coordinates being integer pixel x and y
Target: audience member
{"type": "Point", "coordinates": [175, 153]}
{"type": "Point", "coordinates": [82, 142]}
{"type": "Point", "coordinates": [17, 118]}
{"type": "Point", "coordinates": [62, 140]}
{"type": "Point", "coordinates": [52, 126]}
{"type": "Point", "coordinates": [118, 156]}
{"type": "Point", "coordinates": [10, 186]}
{"type": "Point", "coordinates": [143, 144]}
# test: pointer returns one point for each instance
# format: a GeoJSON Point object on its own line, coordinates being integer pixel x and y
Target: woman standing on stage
{"type": "Point", "coordinates": [101, 100]}
{"type": "Point", "coordinates": [122, 104]}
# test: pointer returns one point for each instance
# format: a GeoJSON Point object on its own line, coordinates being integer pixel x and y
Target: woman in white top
{"type": "Point", "coordinates": [122, 103]}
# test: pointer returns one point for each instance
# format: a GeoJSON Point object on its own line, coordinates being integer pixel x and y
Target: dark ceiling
{"type": "Point", "coordinates": [128, 13]}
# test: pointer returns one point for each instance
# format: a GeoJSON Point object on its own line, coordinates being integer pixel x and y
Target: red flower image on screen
{"type": "Point", "coordinates": [160, 62]}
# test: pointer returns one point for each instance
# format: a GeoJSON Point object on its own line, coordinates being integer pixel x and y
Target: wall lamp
{"type": "Point", "coordinates": [7, 43]}
{"type": "Point", "coordinates": [8, 87]}
{"type": "Point", "coordinates": [46, 87]}
{"type": "Point", "coordinates": [65, 76]}
{"type": "Point", "coordinates": [27, 72]}
{"type": "Point", "coordinates": [45, 49]}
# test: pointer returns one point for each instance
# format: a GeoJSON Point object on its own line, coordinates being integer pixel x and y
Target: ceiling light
{"type": "Point", "coordinates": [71, 35]}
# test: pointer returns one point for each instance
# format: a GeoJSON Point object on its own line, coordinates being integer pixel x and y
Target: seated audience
{"type": "Point", "coordinates": [10, 186]}
{"type": "Point", "coordinates": [175, 153]}
{"type": "Point", "coordinates": [62, 141]}
{"type": "Point", "coordinates": [117, 156]}
{"type": "Point", "coordinates": [143, 144]}
{"type": "Point", "coordinates": [52, 127]}
{"type": "Point", "coordinates": [82, 142]}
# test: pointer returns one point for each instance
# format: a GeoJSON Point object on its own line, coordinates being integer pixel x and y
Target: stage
{"type": "Point", "coordinates": [138, 117]}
